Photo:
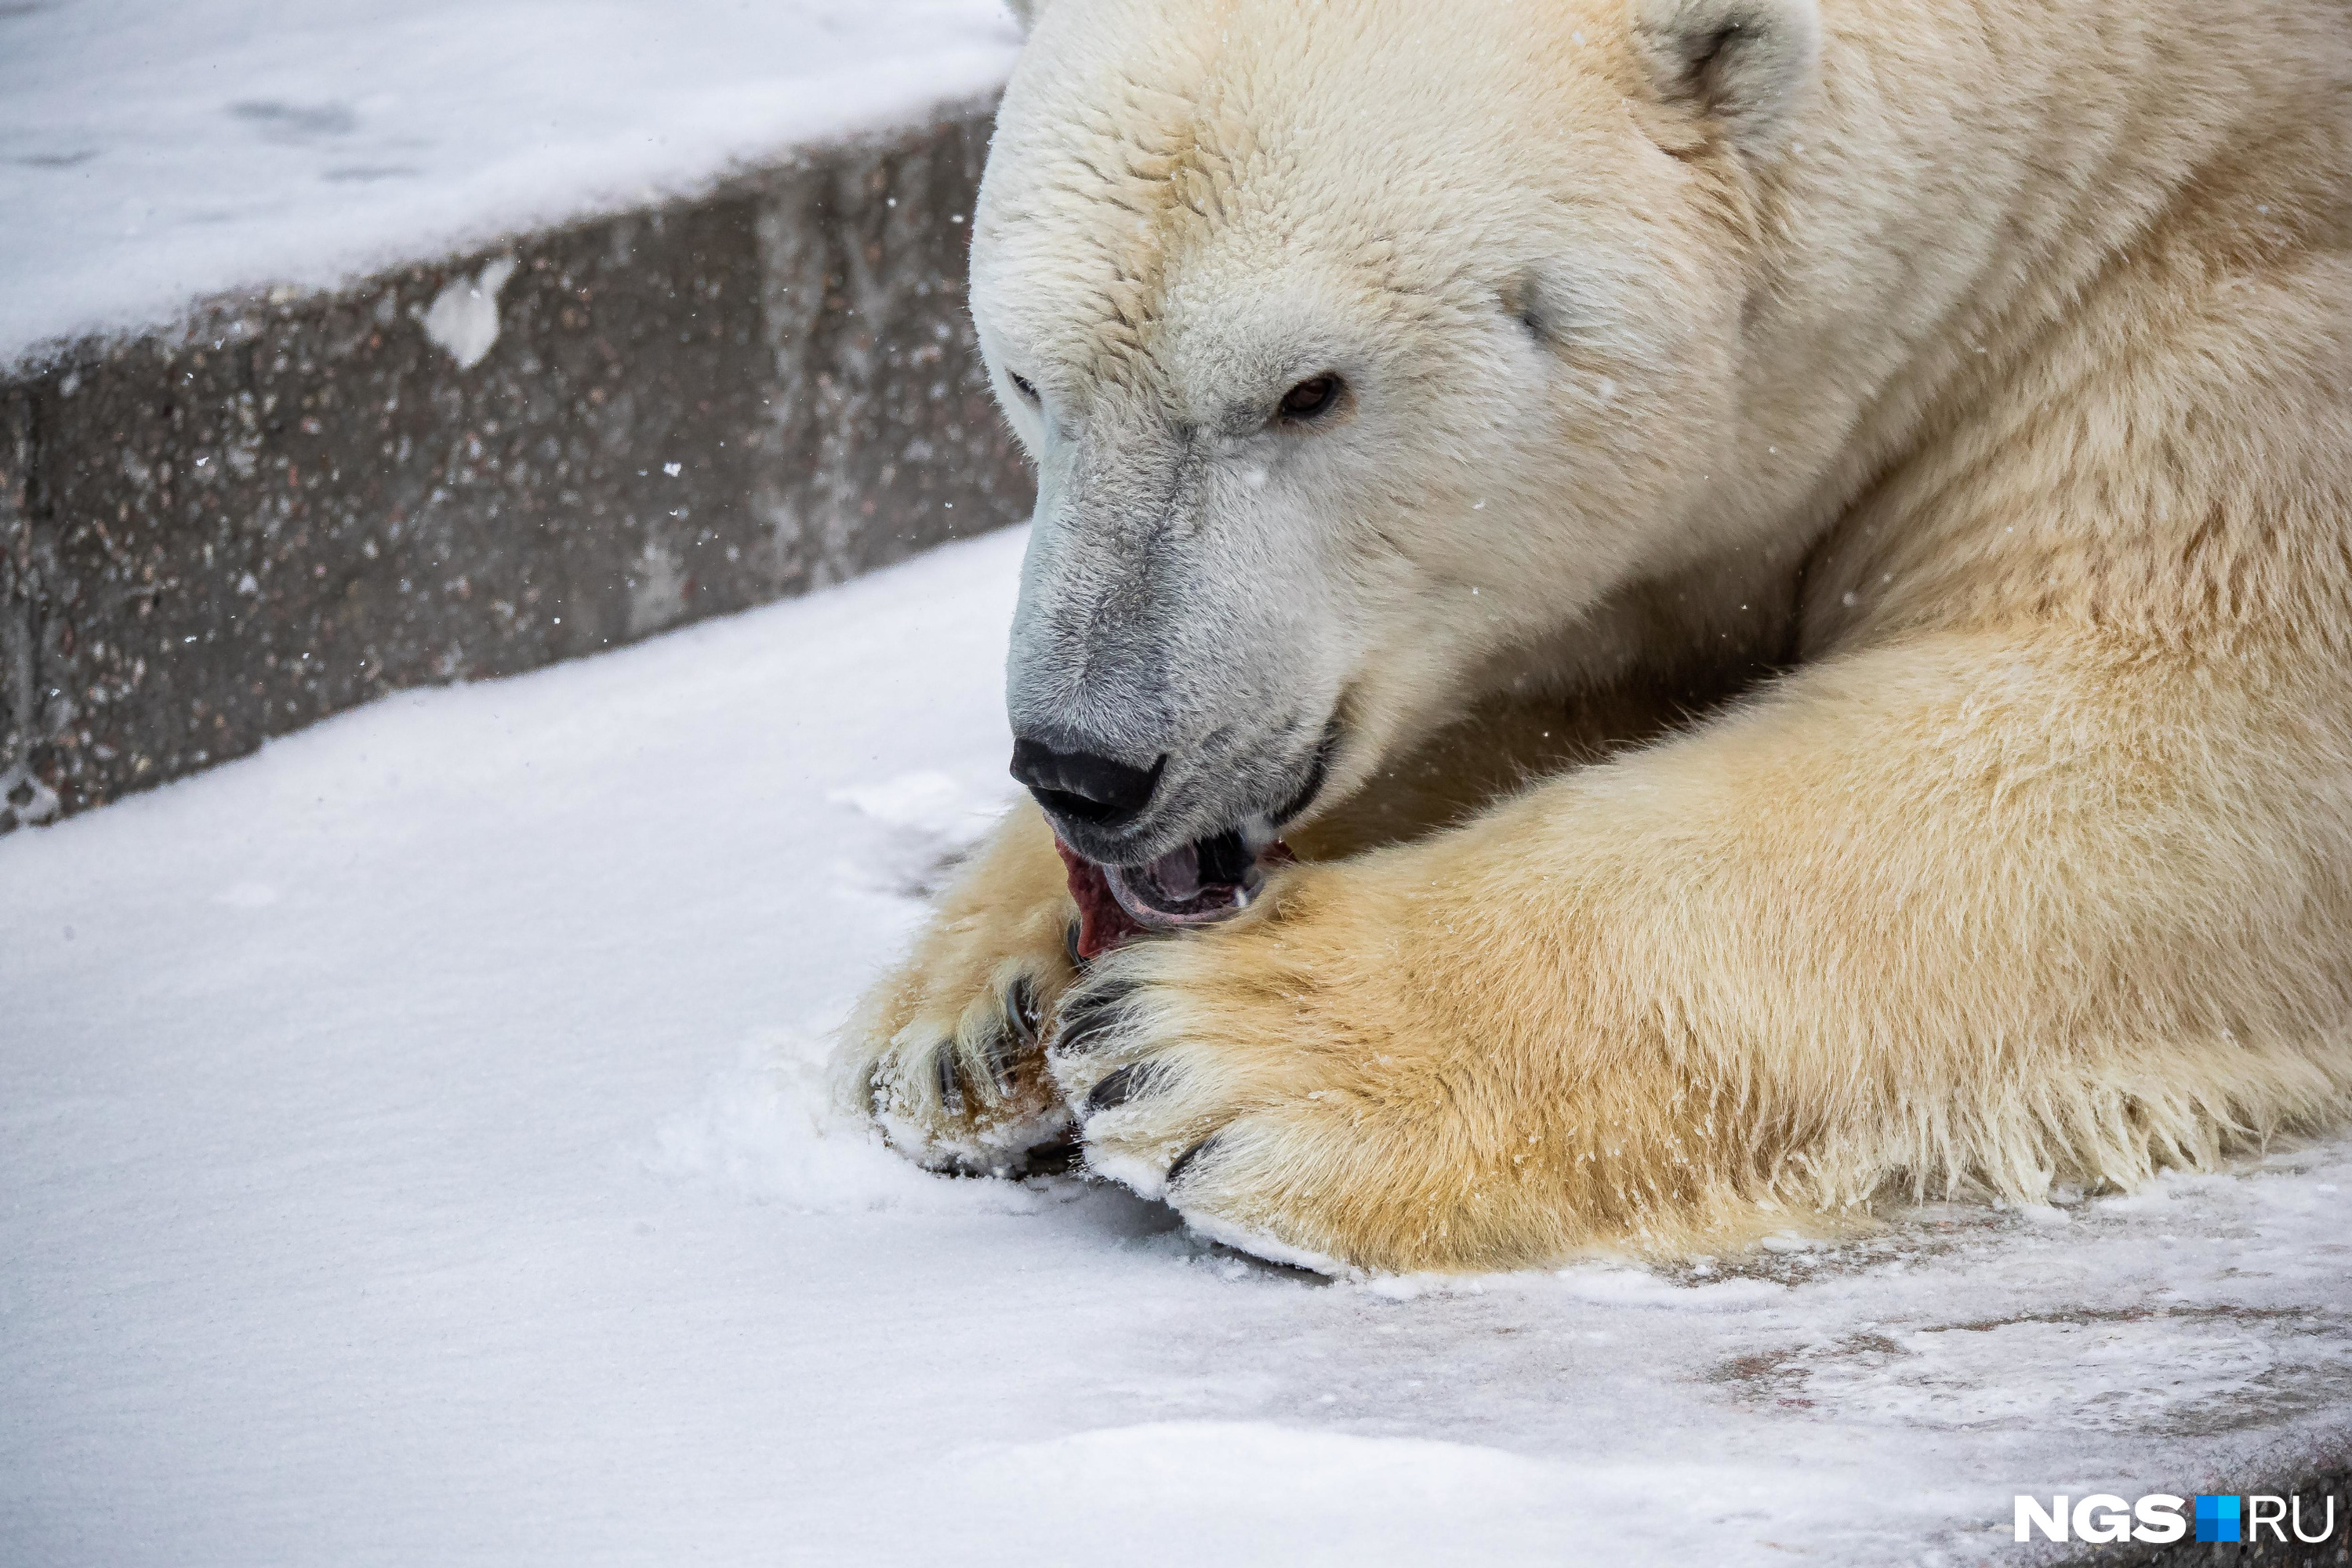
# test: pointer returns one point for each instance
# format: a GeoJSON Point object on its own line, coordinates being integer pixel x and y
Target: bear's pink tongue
{"type": "Point", "coordinates": [1102, 924]}
{"type": "Point", "coordinates": [1196, 885]}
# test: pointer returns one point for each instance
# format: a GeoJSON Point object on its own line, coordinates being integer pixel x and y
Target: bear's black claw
{"type": "Point", "coordinates": [1021, 1010]}
{"type": "Point", "coordinates": [1085, 1024]}
{"type": "Point", "coordinates": [1184, 1161]}
{"type": "Point", "coordinates": [951, 1081]}
{"type": "Point", "coordinates": [1003, 1059]}
{"type": "Point", "coordinates": [1120, 1087]}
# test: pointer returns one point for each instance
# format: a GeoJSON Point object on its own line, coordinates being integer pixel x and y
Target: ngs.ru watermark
{"type": "Point", "coordinates": [2160, 1517]}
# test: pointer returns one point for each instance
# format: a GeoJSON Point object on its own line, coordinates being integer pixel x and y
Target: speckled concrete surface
{"type": "Point", "coordinates": [292, 506]}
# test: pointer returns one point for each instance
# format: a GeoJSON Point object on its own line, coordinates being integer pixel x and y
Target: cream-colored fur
{"type": "Point", "coordinates": [1964, 387]}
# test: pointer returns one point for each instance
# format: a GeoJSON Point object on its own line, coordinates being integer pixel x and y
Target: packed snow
{"type": "Point", "coordinates": [154, 152]}
{"type": "Point", "coordinates": [414, 1149]}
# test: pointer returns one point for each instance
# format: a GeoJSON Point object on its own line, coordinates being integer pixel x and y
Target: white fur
{"type": "Point", "coordinates": [1889, 478]}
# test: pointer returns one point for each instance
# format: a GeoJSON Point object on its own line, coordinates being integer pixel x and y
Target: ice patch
{"type": "Point", "coordinates": [2186, 1374]}
{"type": "Point", "coordinates": [25, 797]}
{"type": "Point", "coordinates": [464, 318]}
{"type": "Point", "coordinates": [656, 588]}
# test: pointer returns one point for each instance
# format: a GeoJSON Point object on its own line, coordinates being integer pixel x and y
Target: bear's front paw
{"type": "Point", "coordinates": [969, 1093]}
{"type": "Point", "coordinates": [946, 1054]}
{"type": "Point", "coordinates": [1277, 1083]}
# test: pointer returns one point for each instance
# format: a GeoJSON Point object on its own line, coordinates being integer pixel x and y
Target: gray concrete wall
{"type": "Point", "coordinates": [292, 506]}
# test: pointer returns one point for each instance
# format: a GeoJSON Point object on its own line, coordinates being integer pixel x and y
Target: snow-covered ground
{"type": "Point", "coordinates": [411, 1150]}
{"type": "Point", "coordinates": [152, 152]}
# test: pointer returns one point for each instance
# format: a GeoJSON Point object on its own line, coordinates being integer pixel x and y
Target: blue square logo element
{"type": "Point", "coordinates": [2217, 1518]}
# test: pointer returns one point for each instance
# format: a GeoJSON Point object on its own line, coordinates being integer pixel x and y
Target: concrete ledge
{"type": "Point", "coordinates": [478, 466]}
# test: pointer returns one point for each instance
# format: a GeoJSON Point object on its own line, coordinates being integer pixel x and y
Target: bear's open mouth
{"type": "Point", "coordinates": [1205, 880]}
{"type": "Point", "coordinates": [1200, 883]}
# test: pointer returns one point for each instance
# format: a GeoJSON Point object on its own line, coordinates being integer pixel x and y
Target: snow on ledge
{"type": "Point", "coordinates": [153, 155]}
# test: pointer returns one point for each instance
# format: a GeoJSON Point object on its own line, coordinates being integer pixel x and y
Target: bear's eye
{"type": "Point", "coordinates": [1021, 385]}
{"type": "Point", "coordinates": [1311, 399]}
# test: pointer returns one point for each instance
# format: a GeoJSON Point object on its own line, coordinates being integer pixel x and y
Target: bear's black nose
{"type": "Point", "coordinates": [1082, 785]}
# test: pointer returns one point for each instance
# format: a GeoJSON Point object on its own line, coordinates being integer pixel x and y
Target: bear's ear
{"type": "Point", "coordinates": [1744, 63]}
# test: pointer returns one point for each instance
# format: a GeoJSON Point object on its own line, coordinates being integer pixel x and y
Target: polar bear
{"type": "Point", "coordinates": [1783, 574]}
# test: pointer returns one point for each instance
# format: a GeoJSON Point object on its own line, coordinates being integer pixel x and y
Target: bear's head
{"type": "Point", "coordinates": [1360, 344]}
